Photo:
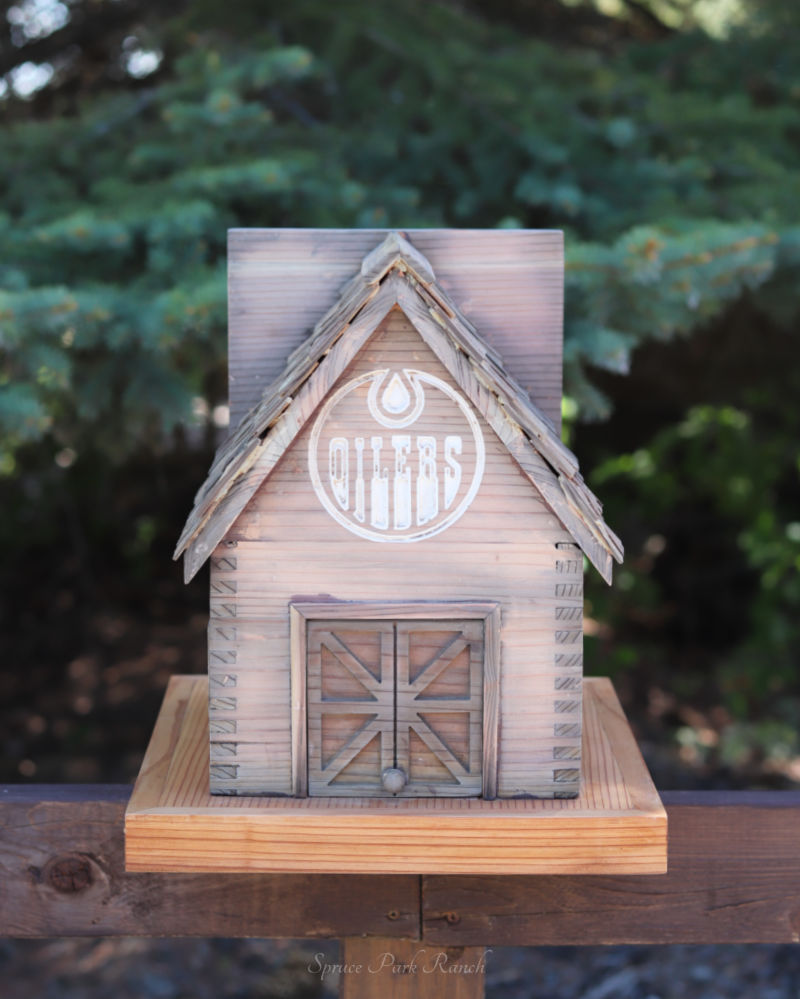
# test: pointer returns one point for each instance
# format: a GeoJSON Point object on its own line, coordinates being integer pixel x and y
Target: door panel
{"type": "Point", "coordinates": [440, 705]}
{"type": "Point", "coordinates": [350, 695]}
{"type": "Point", "coordinates": [424, 767]}
{"type": "Point", "coordinates": [395, 694]}
{"type": "Point", "coordinates": [338, 732]}
{"type": "Point", "coordinates": [453, 729]}
{"type": "Point", "coordinates": [362, 768]}
{"type": "Point", "coordinates": [339, 681]}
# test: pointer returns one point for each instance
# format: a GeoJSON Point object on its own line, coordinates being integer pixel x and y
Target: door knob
{"type": "Point", "coordinates": [394, 779]}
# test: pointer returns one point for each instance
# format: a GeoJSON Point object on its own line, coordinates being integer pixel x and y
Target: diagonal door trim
{"type": "Point", "coordinates": [348, 752]}
{"type": "Point", "coordinates": [441, 750]}
{"type": "Point", "coordinates": [439, 663]}
{"type": "Point", "coordinates": [350, 661]}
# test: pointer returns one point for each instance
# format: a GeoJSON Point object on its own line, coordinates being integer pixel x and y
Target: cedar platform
{"type": "Point", "coordinates": [617, 825]}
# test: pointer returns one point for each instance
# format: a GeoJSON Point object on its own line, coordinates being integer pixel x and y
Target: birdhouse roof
{"type": "Point", "coordinates": [394, 274]}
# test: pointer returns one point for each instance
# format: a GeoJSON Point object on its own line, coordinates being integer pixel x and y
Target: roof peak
{"type": "Point", "coordinates": [396, 247]}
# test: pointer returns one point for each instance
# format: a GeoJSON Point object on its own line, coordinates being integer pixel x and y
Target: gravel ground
{"type": "Point", "coordinates": [136, 968]}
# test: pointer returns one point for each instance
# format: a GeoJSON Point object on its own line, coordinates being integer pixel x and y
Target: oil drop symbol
{"type": "Point", "coordinates": [395, 398]}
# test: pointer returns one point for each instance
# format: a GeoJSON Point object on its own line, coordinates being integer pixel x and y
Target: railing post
{"type": "Point", "coordinates": [386, 968]}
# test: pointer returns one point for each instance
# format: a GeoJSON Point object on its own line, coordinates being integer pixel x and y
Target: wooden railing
{"type": "Point", "coordinates": [734, 877]}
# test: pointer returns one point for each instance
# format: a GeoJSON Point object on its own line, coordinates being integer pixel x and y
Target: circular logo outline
{"type": "Point", "coordinates": [413, 375]}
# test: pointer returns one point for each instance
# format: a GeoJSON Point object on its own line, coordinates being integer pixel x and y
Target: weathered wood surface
{"type": "Point", "coordinates": [62, 873]}
{"type": "Point", "coordinates": [247, 458]}
{"type": "Point", "coordinates": [525, 431]}
{"type": "Point", "coordinates": [734, 877]}
{"type": "Point", "coordinates": [407, 969]}
{"type": "Point", "coordinates": [285, 537]}
{"type": "Point", "coordinates": [173, 823]}
{"type": "Point", "coordinates": [368, 712]}
{"type": "Point", "coordinates": [509, 283]}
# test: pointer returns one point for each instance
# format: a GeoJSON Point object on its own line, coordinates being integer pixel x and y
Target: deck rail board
{"type": "Point", "coordinates": [734, 877]}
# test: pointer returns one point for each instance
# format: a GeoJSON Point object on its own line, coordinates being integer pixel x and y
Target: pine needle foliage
{"type": "Point", "coordinates": [673, 171]}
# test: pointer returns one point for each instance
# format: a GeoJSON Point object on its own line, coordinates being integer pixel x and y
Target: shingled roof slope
{"type": "Point", "coordinates": [395, 273]}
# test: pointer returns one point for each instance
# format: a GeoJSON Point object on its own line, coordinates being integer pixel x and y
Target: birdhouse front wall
{"type": "Point", "coordinates": [396, 492]}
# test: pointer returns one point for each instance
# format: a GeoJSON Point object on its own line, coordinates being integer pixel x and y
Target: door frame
{"type": "Point", "coordinates": [301, 612]}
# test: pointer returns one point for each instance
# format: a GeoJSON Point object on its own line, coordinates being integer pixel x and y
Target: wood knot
{"type": "Point", "coordinates": [452, 918]}
{"type": "Point", "coordinates": [68, 874]}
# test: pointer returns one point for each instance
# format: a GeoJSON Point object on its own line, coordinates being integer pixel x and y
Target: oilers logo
{"type": "Point", "coordinates": [396, 456]}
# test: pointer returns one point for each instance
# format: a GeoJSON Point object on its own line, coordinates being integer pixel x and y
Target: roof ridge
{"type": "Point", "coordinates": [394, 248]}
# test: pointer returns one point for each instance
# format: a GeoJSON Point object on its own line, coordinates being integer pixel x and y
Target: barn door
{"type": "Point", "coordinates": [395, 707]}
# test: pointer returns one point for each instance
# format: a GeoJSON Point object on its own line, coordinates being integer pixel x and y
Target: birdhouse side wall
{"type": "Point", "coordinates": [506, 547]}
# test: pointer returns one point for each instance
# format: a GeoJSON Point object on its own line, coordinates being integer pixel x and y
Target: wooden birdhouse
{"type": "Point", "coordinates": [396, 537]}
{"type": "Point", "coordinates": [396, 531]}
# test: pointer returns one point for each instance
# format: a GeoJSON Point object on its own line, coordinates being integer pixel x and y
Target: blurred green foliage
{"type": "Point", "coordinates": [671, 164]}
{"type": "Point", "coordinates": [674, 175]}
{"type": "Point", "coordinates": [716, 471]}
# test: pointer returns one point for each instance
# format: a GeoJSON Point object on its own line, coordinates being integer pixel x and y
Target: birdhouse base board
{"type": "Point", "coordinates": [173, 824]}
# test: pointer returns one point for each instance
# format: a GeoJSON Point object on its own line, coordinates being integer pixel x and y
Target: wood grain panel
{"type": "Point", "coordinates": [350, 697]}
{"type": "Point", "coordinates": [508, 283]}
{"type": "Point", "coordinates": [734, 877]}
{"type": "Point", "coordinates": [568, 663]}
{"type": "Point", "coordinates": [63, 874]}
{"type": "Point", "coordinates": [612, 828]}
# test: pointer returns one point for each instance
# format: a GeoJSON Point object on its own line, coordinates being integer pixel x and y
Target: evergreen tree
{"type": "Point", "coordinates": [673, 174]}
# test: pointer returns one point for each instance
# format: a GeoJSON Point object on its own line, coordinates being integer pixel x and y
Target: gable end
{"type": "Point", "coordinates": [394, 274]}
